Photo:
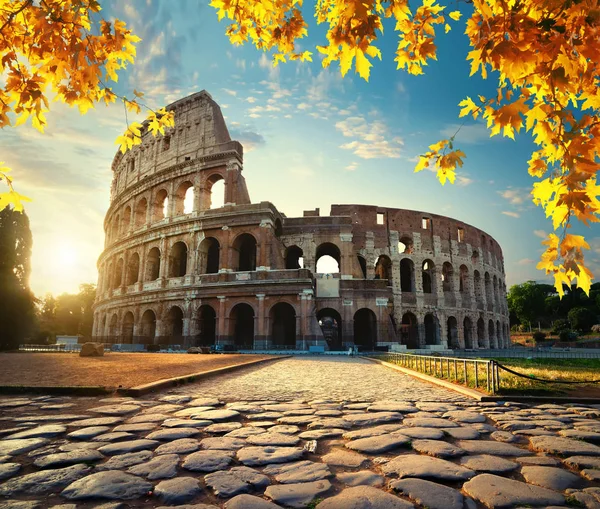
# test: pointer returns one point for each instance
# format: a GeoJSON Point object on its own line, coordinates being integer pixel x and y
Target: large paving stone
{"type": "Point", "coordinates": [178, 490]}
{"type": "Point", "coordinates": [135, 427]}
{"type": "Point", "coordinates": [222, 427]}
{"type": "Point", "coordinates": [330, 422]}
{"type": "Point", "coordinates": [546, 461]}
{"type": "Point", "coordinates": [392, 406]}
{"type": "Point", "coordinates": [414, 465]}
{"type": "Point", "coordinates": [111, 485]}
{"type": "Point", "coordinates": [223, 443]}
{"type": "Point", "coordinates": [8, 470]}
{"type": "Point", "coordinates": [192, 411]}
{"type": "Point", "coordinates": [87, 433]}
{"type": "Point", "coordinates": [39, 483]}
{"type": "Point", "coordinates": [464, 416]}
{"type": "Point", "coordinates": [159, 467]}
{"type": "Point", "coordinates": [487, 463]}
{"type": "Point", "coordinates": [115, 409]}
{"type": "Point", "coordinates": [233, 482]}
{"type": "Point", "coordinates": [491, 447]}
{"type": "Point", "coordinates": [553, 478]}
{"type": "Point", "coordinates": [207, 461]}
{"type": "Point", "coordinates": [172, 433]}
{"type": "Point", "coordinates": [563, 446]}
{"type": "Point", "coordinates": [217, 415]}
{"type": "Point", "coordinates": [286, 429]}
{"type": "Point", "coordinates": [122, 461]}
{"type": "Point", "coordinates": [47, 431]}
{"type": "Point", "coordinates": [299, 471]}
{"type": "Point", "coordinates": [68, 458]}
{"type": "Point", "coordinates": [582, 462]}
{"type": "Point", "coordinates": [248, 502]}
{"type": "Point", "coordinates": [341, 458]}
{"type": "Point", "coordinates": [430, 422]}
{"type": "Point", "coordinates": [370, 418]}
{"type": "Point", "coordinates": [382, 429]}
{"type": "Point", "coordinates": [421, 433]}
{"type": "Point", "coordinates": [504, 436]}
{"type": "Point", "coordinates": [429, 494]}
{"type": "Point", "coordinates": [378, 444]}
{"type": "Point", "coordinates": [96, 421]}
{"type": "Point", "coordinates": [463, 433]}
{"type": "Point", "coordinates": [319, 434]}
{"type": "Point", "coordinates": [20, 504]}
{"type": "Point", "coordinates": [499, 492]}
{"type": "Point", "coordinates": [364, 497]}
{"type": "Point", "coordinates": [245, 432]}
{"type": "Point", "coordinates": [437, 448]}
{"type": "Point", "coordinates": [273, 439]}
{"type": "Point", "coordinates": [297, 495]}
{"type": "Point", "coordinates": [181, 446]}
{"type": "Point", "coordinates": [114, 436]}
{"type": "Point", "coordinates": [147, 418]}
{"type": "Point", "coordinates": [257, 455]}
{"type": "Point", "coordinates": [128, 446]}
{"type": "Point", "coordinates": [361, 478]}
{"type": "Point", "coordinates": [588, 436]}
{"type": "Point", "coordinates": [21, 446]}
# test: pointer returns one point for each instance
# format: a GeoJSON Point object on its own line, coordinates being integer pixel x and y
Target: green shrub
{"type": "Point", "coordinates": [539, 336]}
{"type": "Point", "coordinates": [565, 335]}
{"type": "Point", "coordinates": [582, 319]}
{"type": "Point", "coordinates": [560, 325]}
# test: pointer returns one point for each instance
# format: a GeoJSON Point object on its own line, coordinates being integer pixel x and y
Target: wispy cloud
{"type": "Point", "coordinates": [371, 139]}
{"type": "Point", "coordinates": [511, 214]}
{"type": "Point", "coordinates": [351, 167]}
{"type": "Point", "coordinates": [248, 138]}
{"type": "Point", "coordinates": [525, 261]}
{"type": "Point", "coordinates": [470, 134]}
{"type": "Point", "coordinates": [515, 196]}
{"type": "Point", "coordinates": [540, 233]}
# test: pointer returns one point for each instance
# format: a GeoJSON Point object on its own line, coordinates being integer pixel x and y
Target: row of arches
{"type": "Point", "coordinates": [185, 199]}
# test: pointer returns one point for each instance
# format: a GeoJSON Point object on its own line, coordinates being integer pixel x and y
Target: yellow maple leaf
{"type": "Point", "coordinates": [363, 65]}
{"type": "Point", "coordinates": [455, 15]}
{"type": "Point", "coordinates": [468, 107]}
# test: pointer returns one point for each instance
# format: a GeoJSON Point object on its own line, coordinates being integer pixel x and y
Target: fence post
{"type": "Point", "coordinates": [475, 364]}
{"type": "Point", "coordinates": [488, 376]}
{"type": "Point", "coordinates": [466, 378]}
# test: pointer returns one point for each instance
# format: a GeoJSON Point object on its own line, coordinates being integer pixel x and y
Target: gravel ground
{"type": "Point", "coordinates": [112, 370]}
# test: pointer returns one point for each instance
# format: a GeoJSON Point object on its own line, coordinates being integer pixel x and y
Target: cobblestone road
{"type": "Point", "coordinates": [339, 378]}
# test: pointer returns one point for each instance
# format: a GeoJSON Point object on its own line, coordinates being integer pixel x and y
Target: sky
{"type": "Point", "coordinates": [311, 139]}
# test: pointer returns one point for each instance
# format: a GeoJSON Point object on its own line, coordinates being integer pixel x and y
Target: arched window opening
{"type": "Point", "coordinates": [178, 260]}
{"type": "Point", "coordinates": [481, 333]}
{"type": "Point", "coordinates": [278, 228]}
{"type": "Point", "coordinates": [492, 335]}
{"type": "Point", "coordinates": [409, 331]}
{"type": "Point", "coordinates": [383, 269]}
{"type": "Point", "coordinates": [119, 273]}
{"type": "Point", "coordinates": [241, 321]}
{"type": "Point", "coordinates": [294, 258]}
{"type": "Point", "coordinates": [407, 275]}
{"type": "Point", "coordinates": [207, 326]}
{"type": "Point", "coordinates": [102, 331]}
{"type": "Point", "coordinates": [113, 328]}
{"type": "Point", "coordinates": [453, 333]}
{"type": "Point", "coordinates": [133, 269]}
{"type": "Point", "coordinates": [431, 330]}
{"type": "Point", "coordinates": [328, 259]}
{"type": "Point", "coordinates": [447, 277]}
{"type": "Point", "coordinates": [405, 245]}
{"type": "Point", "coordinates": [330, 322]}
{"type": "Point", "coordinates": [428, 274]}
{"type": "Point", "coordinates": [498, 335]}
{"type": "Point", "coordinates": [148, 327]}
{"type": "Point", "coordinates": [475, 257]}
{"type": "Point", "coordinates": [468, 332]}
{"type": "Point", "coordinates": [363, 266]}
{"type": "Point", "coordinates": [110, 277]}
{"type": "Point", "coordinates": [153, 264]}
{"type": "Point", "coordinates": [216, 189]}
{"type": "Point", "coordinates": [184, 198]}
{"type": "Point", "coordinates": [115, 228]}
{"type": "Point", "coordinates": [488, 291]}
{"type": "Point", "coordinates": [126, 221]}
{"type": "Point", "coordinates": [141, 209]}
{"type": "Point", "coordinates": [161, 205]}
{"type": "Point", "coordinates": [209, 256]}
{"type": "Point", "coordinates": [283, 325]}
{"type": "Point", "coordinates": [365, 329]}
{"type": "Point", "coordinates": [464, 279]}
{"type": "Point", "coordinates": [127, 332]}
{"type": "Point", "coordinates": [245, 247]}
{"type": "Point", "coordinates": [175, 323]}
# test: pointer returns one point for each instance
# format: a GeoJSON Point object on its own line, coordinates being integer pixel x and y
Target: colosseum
{"type": "Point", "coordinates": [185, 266]}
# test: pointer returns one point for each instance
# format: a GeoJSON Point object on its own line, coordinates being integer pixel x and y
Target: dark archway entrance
{"type": "Point", "coordinates": [410, 331]}
{"type": "Point", "coordinates": [245, 245]}
{"type": "Point", "coordinates": [365, 329]}
{"type": "Point", "coordinates": [481, 333]}
{"type": "Point", "coordinates": [178, 260]}
{"type": "Point", "coordinates": [175, 325]}
{"type": "Point", "coordinates": [294, 258]}
{"type": "Point", "coordinates": [468, 332]}
{"type": "Point", "coordinates": [431, 333]}
{"type": "Point", "coordinates": [148, 326]}
{"type": "Point", "coordinates": [331, 326]}
{"type": "Point", "coordinates": [283, 325]}
{"type": "Point", "coordinates": [207, 326]}
{"type": "Point", "coordinates": [407, 275]}
{"type": "Point", "coordinates": [209, 256]}
{"type": "Point", "coordinates": [241, 327]}
{"type": "Point", "coordinates": [127, 332]}
{"type": "Point", "coordinates": [453, 333]}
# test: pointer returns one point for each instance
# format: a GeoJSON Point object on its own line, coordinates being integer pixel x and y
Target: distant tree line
{"type": "Point", "coordinates": [531, 304]}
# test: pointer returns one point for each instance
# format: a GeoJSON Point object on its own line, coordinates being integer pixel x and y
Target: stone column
{"type": "Point", "coordinates": [345, 256]}
{"type": "Point", "coordinates": [230, 181]}
{"type": "Point", "coordinates": [262, 339]}
{"type": "Point", "coordinates": [164, 259]}
{"type": "Point", "coordinates": [221, 334]}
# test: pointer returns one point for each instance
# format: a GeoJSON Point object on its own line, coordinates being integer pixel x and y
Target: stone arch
{"type": "Point", "coordinates": [294, 257]}
{"type": "Point", "coordinates": [468, 332]}
{"type": "Point", "coordinates": [160, 206]}
{"type": "Point", "coordinates": [119, 273]}
{"type": "Point", "coordinates": [365, 329]}
{"type": "Point", "coordinates": [127, 328]}
{"type": "Point", "coordinates": [109, 277]}
{"type": "Point", "coordinates": [241, 325]}
{"type": "Point", "coordinates": [148, 326]}
{"type": "Point", "coordinates": [488, 291]}
{"type": "Point", "coordinates": [492, 335]}
{"type": "Point", "coordinates": [330, 322]}
{"type": "Point", "coordinates": [174, 323]}
{"type": "Point", "coordinates": [113, 327]}
{"type": "Point", "coordinates": [278, 229]}
{"type": "Point", "coordinates": [477, 285]}
{"type": "Point", "coordinates": [453, 341]}
{"type": "Point", "coordinates": [475, 257]}
{"type": "Point", "coordinates": [407, 275]}
{"type": "Point", "coordinates": [153, 264]}
{"type": "Point", "coordinates": [133, 269]}
{"type": "Point", "coordinates": [209, 251]}
{"type": "Point", "coordinates": [126, 221]}
{"type": "Point", "coordinates": [447, 277]}
{"type": "Point", "coordinates": [115, 228]}
{"type": "Point", "coordinates": [207, 326]}
{"type": "Point", "coordinates": [102, 331]}
{"type": "Point", "coordinates": [215, 189]}
{"type": "Point", "coordinates": [178, 259]}
{"type": "Point", "coordinates": [184, 198]}
{"type": "Point", "coordinates": [362, 262]}
{"type": "Point", "coordinates": [326, 254]}
{"type": "Point", "coordinates": [480, 333]}
{"type": "Point", "coordinates": [409, 331]}
{"type": "Point", "coordinates": [463, 282]}
{"type": "Point", "coordinates": [282, 317]}
{"type": "Point", "coordinates": [405, 245]}
{"type": "Point", "coordinates": [495, 291]}
{"type": "Point", "coordinates": [244, 248]}
{"type": "Point", "coordinates": [428, 276]}
{"type": "Point", "coordinates": [498, 334]}
{"type": "Point", "coordinates": [431, 329]}
{"type": "Point", "coordinates": [141, 212]}
{"type": "Point", "coordinates": [383, 269]}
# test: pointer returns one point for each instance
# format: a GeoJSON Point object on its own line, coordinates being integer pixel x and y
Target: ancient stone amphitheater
{"type": "Point", "coordinates": [178, 270]}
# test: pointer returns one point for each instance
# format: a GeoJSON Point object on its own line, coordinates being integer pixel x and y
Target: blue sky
{"type": "Point", "coordinates": [312, 138]}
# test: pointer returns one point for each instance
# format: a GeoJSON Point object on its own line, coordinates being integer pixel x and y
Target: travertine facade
{"type": "Point", "coordinates": [175, 270]}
